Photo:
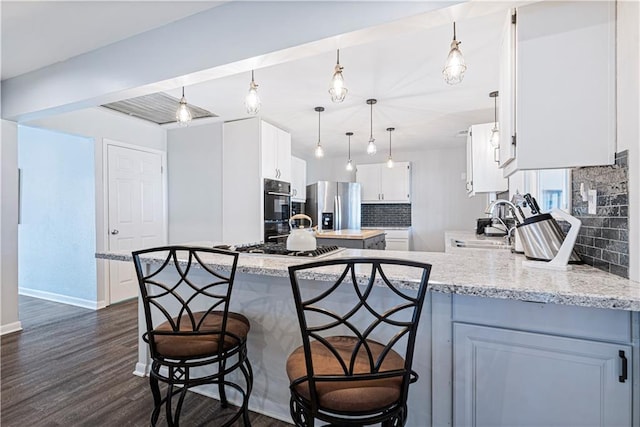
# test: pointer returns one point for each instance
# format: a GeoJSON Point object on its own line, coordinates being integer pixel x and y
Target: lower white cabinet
{"type": "Point", "coordinates": [511, 378]}
{"type": "Point", "coordinates": [398, 240]}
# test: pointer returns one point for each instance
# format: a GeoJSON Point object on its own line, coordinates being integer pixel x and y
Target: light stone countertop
{"type": "Point", "coordinates": [349, 234]}
{"type": "Point", "coordinates": [486, 273]}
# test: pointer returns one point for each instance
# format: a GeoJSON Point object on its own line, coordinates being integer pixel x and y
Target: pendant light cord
{"type": "Point", "coordinates": [389, 143]}
{"type": "Point", "coordinates": [183, 91]}
{"type": "Point", "coordinates": [371, 122]}
{"type": "Point", "coordinates": [319, 127]}
{"type": "Point", "coordinates": [454, 30]}
{"type": "Point", "coordinates": [349, 146]}
{"type": "Point", "coordinates": [495, 111]}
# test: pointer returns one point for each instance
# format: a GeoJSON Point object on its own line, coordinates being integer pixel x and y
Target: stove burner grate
{"type": "Point", "coordinates": [281, 249]}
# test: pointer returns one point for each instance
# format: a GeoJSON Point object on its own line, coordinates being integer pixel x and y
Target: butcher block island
{"type": "Point", "coordinates": [356, 239]}
{"type": "Point", "coordinates": [499, 344]}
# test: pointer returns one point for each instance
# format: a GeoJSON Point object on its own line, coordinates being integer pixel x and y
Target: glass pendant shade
{"type": "Point", "coordinates": [183, 115]}
{"type": "Point", "coordinates": [494, 140]}
{"type": "Point", "coordinates": [252, 101]}
{"type": "Point", "coordinates": [454, 67]}
{"type": "Point", "coordinates": [349, 165]}
{"type": "Point", "coordinates": [389, 162]}
{"type": "Point", "coordinates": [371, 147]}
{"type": "Point", "coordinates": [336, 87]}
{"type": "Point", "coordinates": [319, 151]}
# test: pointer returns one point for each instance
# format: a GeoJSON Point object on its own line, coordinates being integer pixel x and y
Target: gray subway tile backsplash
{"type": "Point", "coordinates": [386, 215]}
{"type": "Point", "coordinates": [603, 241]}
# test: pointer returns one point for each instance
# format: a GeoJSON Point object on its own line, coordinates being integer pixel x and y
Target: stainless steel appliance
{"type": "Point", "coordinates": [334, 205]}
{"type": "Point", "coordinates": [541, 238]}
{"type": "Point", "coordinates": [277, 209]}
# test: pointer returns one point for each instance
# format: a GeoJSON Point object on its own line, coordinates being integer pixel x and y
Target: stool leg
{"type": "Point", "coordinates": [248, 376]}
{"type": "Point", "coordinates": [221, 391]}
{"type": "Point", "coordinates": [157, 398]}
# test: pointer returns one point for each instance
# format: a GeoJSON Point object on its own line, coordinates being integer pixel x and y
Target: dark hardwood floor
{"type": "Point", "coordinates": [73, 367]}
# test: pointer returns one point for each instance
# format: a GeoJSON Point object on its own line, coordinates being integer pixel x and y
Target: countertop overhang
{"type": "Point", "coordinates": [484, 273]}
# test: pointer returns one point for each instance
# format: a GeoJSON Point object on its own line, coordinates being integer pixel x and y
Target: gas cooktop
{"type": "Point", "coordinates": [281, 249]}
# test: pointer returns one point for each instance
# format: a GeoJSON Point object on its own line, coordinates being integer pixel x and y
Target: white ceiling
{"type": "Point", "coordinates": [403, 72]}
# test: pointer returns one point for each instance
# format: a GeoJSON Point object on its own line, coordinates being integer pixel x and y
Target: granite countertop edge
{"type": "Point", "coordinates": [490, 273]}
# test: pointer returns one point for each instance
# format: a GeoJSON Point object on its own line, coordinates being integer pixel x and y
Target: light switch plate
{"type": "Point", "coordinates": [592, 201]}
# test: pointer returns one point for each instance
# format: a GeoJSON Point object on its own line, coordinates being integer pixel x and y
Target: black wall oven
{"type": "Point", "coordinates": [277, 210]}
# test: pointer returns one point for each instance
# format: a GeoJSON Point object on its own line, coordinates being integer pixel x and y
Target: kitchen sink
{"type": "Point", "coordinates": [480, 244]}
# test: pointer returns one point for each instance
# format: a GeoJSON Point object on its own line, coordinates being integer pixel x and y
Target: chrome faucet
{"type": "Point", "coordinates": [512, 207]}
{"type": "Point", "coordinates": [497, 202]}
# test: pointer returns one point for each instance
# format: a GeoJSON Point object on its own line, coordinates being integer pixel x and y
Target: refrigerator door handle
{"type": "Point", "coordinates": [337, 213]}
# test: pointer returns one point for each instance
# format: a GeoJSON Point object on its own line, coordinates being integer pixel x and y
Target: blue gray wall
{"type": "Point", "coordinates": [57, 230]}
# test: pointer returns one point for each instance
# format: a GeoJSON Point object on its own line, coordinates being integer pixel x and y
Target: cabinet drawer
{"type": "Point", "coordinates": [583, 322]}
{"type": "Point", "coordinates": [397, 234]}
{"type": "Point", "coordinates": [397, 245]}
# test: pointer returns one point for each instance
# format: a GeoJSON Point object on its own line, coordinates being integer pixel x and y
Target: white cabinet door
{"type": "Point", "coordinates": [564, 112]}
{"type": "Point", "coordinates": [510, 378]}
{"type": "Point", "coordinates": [369, 178]}
{"type": "Point", "coordinates": [483, 173]}
{"type": "Point", "coordinates": [283, 159]}
{"type": "Point", "coordinates": [381, 184]}
{"type": "Point", "coordinates": [269, 150]}
{"type": "Point", "coordinates": [298, 180]}
{"type": "Point", "coordinates": [395, 182]}
{"type": "Point", "coordinates": [506, 91]}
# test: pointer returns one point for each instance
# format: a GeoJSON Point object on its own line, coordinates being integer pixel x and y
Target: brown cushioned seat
{"type": "Point", "coordinates": [358, 395]}
{"type": "Point", "coordinates": [186, 346]}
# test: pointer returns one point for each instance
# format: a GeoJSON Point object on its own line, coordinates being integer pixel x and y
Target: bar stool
{"type": "Point", "coordinates": [354, 365]}
{"type": "Point", "coordinates": [190, 329]}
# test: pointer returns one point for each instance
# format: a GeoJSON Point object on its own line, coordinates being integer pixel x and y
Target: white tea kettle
{"type": "Point", "coordinates": [301, 239]}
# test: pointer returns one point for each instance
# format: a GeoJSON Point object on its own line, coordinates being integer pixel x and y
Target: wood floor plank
{"type": "Point", "coordinates": [71, 366]}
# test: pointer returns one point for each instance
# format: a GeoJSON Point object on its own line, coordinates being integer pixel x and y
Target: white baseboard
{"type": "Point", "coordinates": [64, 299]}
{"type": "Point", "coordinates": [11, 327]}
{"type": "Point", "coordinates": [141, 370]}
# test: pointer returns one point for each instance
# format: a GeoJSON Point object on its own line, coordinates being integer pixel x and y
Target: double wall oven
{"type": "Point", "coordinates": [277, 210]}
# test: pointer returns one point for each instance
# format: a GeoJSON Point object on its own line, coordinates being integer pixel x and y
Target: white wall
{"type": "Point", "coordinates": [628, 110]}
{"type": "Point", "coordinates": [57, 230]}
{"type": "Point", "coordinates": [99, 124]}
{"type": "Point", "coordinates": [9, 321]}
{"type": "Point", "coordinates": [194, 163]}
{"type": "Point", "coordinates": [438, 196]}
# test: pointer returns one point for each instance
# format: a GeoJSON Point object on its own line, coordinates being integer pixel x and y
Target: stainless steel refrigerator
{"type": "Point", "coordinates": [334, 205]}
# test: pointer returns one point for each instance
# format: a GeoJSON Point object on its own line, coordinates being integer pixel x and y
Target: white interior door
{"type": "Point", "coordinates": [136, 212]}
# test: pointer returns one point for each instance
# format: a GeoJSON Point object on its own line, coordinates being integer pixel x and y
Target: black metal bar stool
{"type": "Point", "coordinates": [193, 337]}
{"type": "Point", "coordinates": [358, 337]}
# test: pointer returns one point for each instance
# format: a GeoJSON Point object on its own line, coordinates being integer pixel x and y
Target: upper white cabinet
{"type": "Point", "coordinates": [275, 146]}
{"type": "Point", "coordinates": [381, 184]}
{"type": "Point", "coordinates": [298, 180]}
{"type": "Point", "coordinates": [557, 86]}
{"type": "Point", "coordinates": [483, 173]}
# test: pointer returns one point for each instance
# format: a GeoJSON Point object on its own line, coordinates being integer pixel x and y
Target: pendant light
{"type": "Point", "coordinates": [319, 151]}
{"type": "Point", "coordinates": [336, 88]}
{"type": "Point", "coordinates": [183, 115]}
{"type": "Point", "coordinates": [454, 68]}
{"type": "Point", "coordinates": [390, 160]}
{"type": "Point", "coordinates": [252, 101]}
{"type": "Point", "coordinates": [494, 140]}
{"type": "Point", "coordinates": [349, 162]}
{"type": "Point", "coordinates": [371, 147]}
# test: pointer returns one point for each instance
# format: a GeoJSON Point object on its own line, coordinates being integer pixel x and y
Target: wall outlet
{"type": "Point", "coordinates": [592, 201]}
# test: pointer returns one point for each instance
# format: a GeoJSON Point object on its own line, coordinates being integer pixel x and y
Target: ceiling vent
{"type": "Point", "coordinates": [158, 108]}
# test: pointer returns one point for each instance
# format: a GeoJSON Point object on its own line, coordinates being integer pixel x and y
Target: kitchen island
{"type": "Point", "coordinates": [356, 239]}
{"type": "Point", "coordinates": [485, 313]}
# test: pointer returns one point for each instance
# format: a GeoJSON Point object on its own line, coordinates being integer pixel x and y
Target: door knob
{"type": "Point", "coordinates": [114, 231]}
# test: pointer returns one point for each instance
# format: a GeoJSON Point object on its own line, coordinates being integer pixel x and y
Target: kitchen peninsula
{"type": "Point", "coordinates": [569, 339]}
{"type": "Point", "coordinates": [356, 239]}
